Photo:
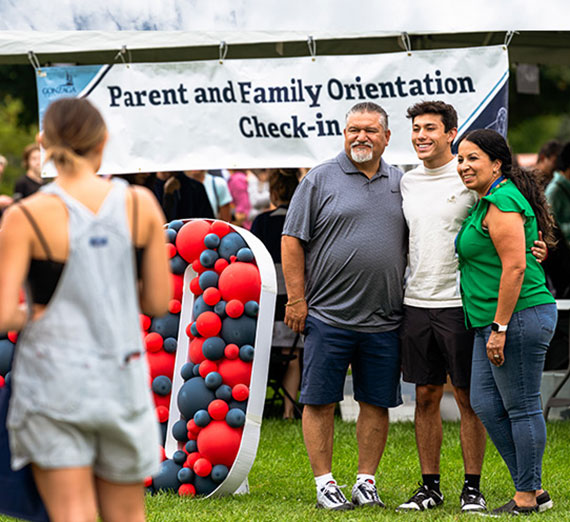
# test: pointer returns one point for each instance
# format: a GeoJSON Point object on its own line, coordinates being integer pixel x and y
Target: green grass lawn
{"type": "Point", "coordinates": [282, 487]}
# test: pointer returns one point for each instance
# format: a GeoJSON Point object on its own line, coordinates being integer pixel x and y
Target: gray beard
{"type": "Point", "coordinates": [361, 157]}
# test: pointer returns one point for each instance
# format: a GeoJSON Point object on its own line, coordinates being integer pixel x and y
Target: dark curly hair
{"type": "Point", "coordinates": [447, 112]}
{"type": "Point", "coordinates": [496, 147]}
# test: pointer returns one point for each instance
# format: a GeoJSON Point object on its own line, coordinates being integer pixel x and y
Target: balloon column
{"type": "Point", "coordinates": [217, 306]}
{"type": "Point", "coordinates": [7, 343]}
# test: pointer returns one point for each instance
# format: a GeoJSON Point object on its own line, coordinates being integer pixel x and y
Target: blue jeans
{"type": "Point", "coordinates": [507, 398]}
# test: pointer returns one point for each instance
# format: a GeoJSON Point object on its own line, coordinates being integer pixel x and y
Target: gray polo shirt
{"type": "Point", "coordinates": [355, 240]}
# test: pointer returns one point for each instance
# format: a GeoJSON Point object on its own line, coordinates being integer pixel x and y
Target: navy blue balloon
{"type": "Point", "coordinates": [171, 235]}
{"type": "Point", "coordinates": [251, 308]}
{"type": "Point", "coordinates": [239, 331]}
{"type": "Point", "coordinates": [178, 265]}
{"type": "Point", "coordinates": [246, 353]}
{"type": "Point", "coordinates": [8, 378]}
{"type": "Point", "coordinates": [177, 224]}
{"type": "Point", "coordinates": [180, 431]}
{"type": "Point", "coordinates": [167, 477]}
{"type": "Point", "coordinates": [212, 241]}
{"type": "Point", "coordinates": [191, 446]}
{"type": "Point", "coordinates": [213, 380]}
{"type": "Point", "coordinates": [170, 345]}
{"type": "Point", "coordinates": [245, 255]}
{"type": "Point", "coordinates": [224, 392]}
{"type": "Point", "coordinates": [194, 329]}
{"type": "Point", "coordinates": [166, 325]}
{"type": "Point", "coordinates": [200, 306]}
{"type": "Point", "coordinates": [208, 258]}
{"type": "Point", "coordinates": [204, 485]}
{"type": "Point", "coordinates": [161, 385]}
{"type": "Point", "coordinates": [6, 356]}
{"type": "Point", "coordinates": [235, 418]}
{"type": "Point", "coordinates": [187, 371]}
{"type": "Point", "coordinates": [220, 309]}
{"type": "Point", "coordinates": [179, 457]}
{"type": "Point", "coordinates": [202, 418]}
{"type": "Point", "coordinates": [185, 475]}
{"type": "Point", "coordinates": [242, 405]}
{"type": "Point", "coordinates": [196, 370]}
{"type": "Point", "coordinates": [230, 244]}
{"type": "Point", "coordinates": [207, 279]}
{"type": "Point", "coordinates": [213, 348]}
{"type": "Point", "coordinates": [194, 395]}
{"type": "Point", "coordinates": [219, 473]}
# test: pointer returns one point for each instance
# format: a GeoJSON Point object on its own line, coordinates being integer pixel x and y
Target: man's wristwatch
{"type": "Point", "coordinates": [496, 327]}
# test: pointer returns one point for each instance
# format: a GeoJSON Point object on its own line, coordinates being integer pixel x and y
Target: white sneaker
{"type": "Point", "coordinates": [331, 497]}
{"type": "Point", "coordinates": [364, 493]}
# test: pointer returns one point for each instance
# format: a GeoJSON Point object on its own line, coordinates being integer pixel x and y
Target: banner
{"type": "Point", "coordinates": [279, 112]}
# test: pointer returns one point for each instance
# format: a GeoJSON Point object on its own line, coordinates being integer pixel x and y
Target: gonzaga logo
{"type": "Point", "coordinates": [65, 88]}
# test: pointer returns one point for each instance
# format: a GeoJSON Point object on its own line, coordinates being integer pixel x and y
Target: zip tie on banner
{"type": "Point", "coordinates": [35, 63]}
{"type": "Point", "coordinates": [312, 44]}
{"type": "Point", "coordinates": [406, 42]}
{"type": "Point", "coordinates": [508, 38]}
{"type": "Point", "coordinates": [223, 51]}
{"type": "Point", "coordinates": [121, 54]}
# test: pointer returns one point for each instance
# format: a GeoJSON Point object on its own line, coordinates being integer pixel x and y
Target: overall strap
{"type": "Point", "coordinates": [36, 230]}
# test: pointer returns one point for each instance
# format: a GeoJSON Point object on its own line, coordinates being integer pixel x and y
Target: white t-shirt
{"type": "Point", "coordinates": [220, 186]}
{"type": "Point", "coordinates": [435, 203]}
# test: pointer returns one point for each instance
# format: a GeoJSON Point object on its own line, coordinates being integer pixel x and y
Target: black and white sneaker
{"type": "Point", "coordinates": [511, 508]}
{"type": "Point", "coordinates": [331, 497]}
{"type": "Point", "coordinates": [422, 499]}
{"type": "Point", "coordinates": [472, 500]}
{"type": "Point", "coordinates": [544, 501]}
{"type": "Point", "coordinates": [364, 493]}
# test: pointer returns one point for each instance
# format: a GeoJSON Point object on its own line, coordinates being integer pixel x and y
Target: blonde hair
{"type": "Point", "coordinates": [72, 128]}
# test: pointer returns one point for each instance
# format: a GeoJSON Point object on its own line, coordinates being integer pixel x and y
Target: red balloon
{"type": "Point", "coordinates": [206, 367]}
{"type": "Point", "coordinates": [231, 351]}
{"type": "Point", "coordinates": [196, 354]}
{"type": "Point", "coordinates": [177, 282]}
{"type": "Point", "coordinates": [233, 259]}
{"type": "Point", "coordinates": [208, 324]}
{"type": "Point", "coordinates": [162, 401]}
{"type": "Point", "coordinates": [187, 490]}
{"type": "Point", "coordinates": [170, 250]}
{"type": "Point", "coordinates": [190, 239]}
{"type": "Point", "coordinates": [211, 296]}
{"type": "Point", "coordinates": [153, 342]}
{"type": "Point", "coordinates": [161, 413]}
{"type": "Point", "coordinates": [240, 281]}
{"type": "Point", "coordinates": [240, 392]}
{"type": "Point", "coordinates": [174, 306]}
{"type": "Point", "coordinates": [188, 330]}
{"type": "Point", "coordinates": [234, 308]}
{"type": "Point", "coordinates": [220, 228]}
{"type": "Point", "coordinates": [193, 427]}
{"type": "Point", "coordinates": [147, 482]}
{"type": "Point", "coordinates": [202, 467]}
{"type": "Point", "coordinates": [162, 453]}
{"type": "Point", "coordinates": [2, 381]}
{"type": "Point", "coordinates": [219, 443]}
{"type": "Point", "coordinates": [195, 286]}
{"type": "Point", "coordinates": [161, 363]}
{"type": "Point", "coordinates": [220, 265]}
{"type": "Point", "coordinates": [144, 320]}
{"type": "Point", "coordinates": [217, 409]}
{"type": "Point", "coordinates": [13, 337]}
{"type": "Point", "coordinates": [192, 458]}
{"type": "Point", "coordinates": [235, 371]}
{"type": "Point", "coordinates": [197, 266]}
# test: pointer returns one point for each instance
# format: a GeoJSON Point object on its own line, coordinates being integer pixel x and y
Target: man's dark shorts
{"type": "Point", "coordinates": [374, 358]}
{"type": "Point", "coordinates": [435, 342]}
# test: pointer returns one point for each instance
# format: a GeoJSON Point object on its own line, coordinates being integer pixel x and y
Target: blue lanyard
{"type": "Point", "coordinates": [499, 180]}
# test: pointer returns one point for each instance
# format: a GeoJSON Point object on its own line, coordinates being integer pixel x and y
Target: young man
{"type": "Point", "coordinates": [344, 255]}
{"type": "Point", "coordinates": [435, 341]}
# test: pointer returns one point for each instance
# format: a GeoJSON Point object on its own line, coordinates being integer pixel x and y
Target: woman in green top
{"type": "Point", "coordinates": [508, 305]}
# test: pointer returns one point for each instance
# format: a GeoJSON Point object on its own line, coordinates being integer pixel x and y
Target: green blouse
{"type": "Point", "coordinates": [480, 265]}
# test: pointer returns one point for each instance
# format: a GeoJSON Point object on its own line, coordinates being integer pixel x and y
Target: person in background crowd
{"type": "Point", "coordinates": [258, 191]}
{"type": "Point", "coordinates": [506, 301]}
{"type": "Point", "coordinates": [31, 181]}
{"type": "Point", "coordinates": [182, 197]}
{"type": "Point", "coordinates": [238, 186]}
{"type": "Point", "coordinates": [546, 161]}
{"type": "Point", "coordinates": [268, 227]}
{"type": "Point", "coordinates": [344, 252]}
{"type": "Point", "coordinates": [558, 192]}
{"type": "Point", "coordinates": [218, 192]}
{"type": "Point", "coordinates": [5, 201]}
{"type": "Point", "coordinates": [81, 411]}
